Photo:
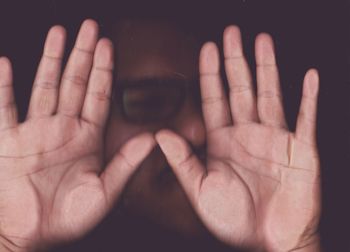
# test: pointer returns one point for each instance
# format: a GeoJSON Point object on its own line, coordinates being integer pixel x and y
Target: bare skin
{"type": "Point", "coordinates": [260, 186]}
{"type": "Point", "coordinates": [55, 185]}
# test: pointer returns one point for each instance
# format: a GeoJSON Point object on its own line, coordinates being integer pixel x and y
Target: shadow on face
{"type": "Point", "coordinates": [156, 87]}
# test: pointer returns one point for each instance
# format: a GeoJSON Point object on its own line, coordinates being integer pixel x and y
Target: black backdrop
{"type": "Point", "coordinates": [308, 33]}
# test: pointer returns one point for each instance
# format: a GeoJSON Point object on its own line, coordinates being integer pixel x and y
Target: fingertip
{"type": "Point", "coordinates": [264, 48]}
{"type": "Point", "coordinates": [142, 141]}
{"type": "Point", "coordinates": [5, 67]}
{"type": "Point", "coordinates": [263, 39]}
{"type": "Point", "coordinates": [104, 54]}
{"type": "Point", "coordinates": [90, 27]}
{"type": "Point", "coordinates": [4, 62]}
{"type": "Point", "coordinates": [209, 59]}
{"type": "Point", "coordinates": [173, 146]}
{"type": "Point", "coordinates": [313, 71]}
{"type": "Point", "coordinates": [232, 42]}
{"type": "Point", "coordinates": [90, 24]}
{"type": "Point", "coordinates": [163, 135]}
{"type": "Point", "coordinates": [148, 139]}
{"type": "Point", "coordinates": [57, 32]}
{"type": "Point", "coordinates": [106, 42]}
{"type": "Point", "coordinates": [88, 34]}
{"type": "Point", "coordinates": [312, 76]}
{"type": "Point", "coordinates": [209, 46]}
{"type": "Point", "coordinates": [148, 142]}
{"type": "Point", "coordinates": [54, 45]}
{"type": "Point", "coordinates": [232, 31]}
{"type": "Point", "coordinates": [311, 82]}
{"type": "Point", "coordinates": [137, 148]}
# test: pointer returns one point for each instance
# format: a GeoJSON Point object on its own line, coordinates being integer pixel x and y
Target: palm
{"type": "Point", "coordinates": [54, 184]}
{"type": "Point", "coordinates": [254, 164]}
{"type": "Point", "coordinates": [61, 195]}
{"type": "Point", "coordinates": [260, 184]}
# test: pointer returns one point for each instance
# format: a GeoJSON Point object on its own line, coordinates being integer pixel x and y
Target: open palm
{"type": "Point", "coordinates": [54, 184]}
{"type": "Point", "coordinates": [259, 187]}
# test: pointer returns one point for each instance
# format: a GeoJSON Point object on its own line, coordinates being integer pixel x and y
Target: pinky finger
{"type": "Point", "coordinates": [8, 110]}
{"type": "Point", "coordinates": [306, 123]}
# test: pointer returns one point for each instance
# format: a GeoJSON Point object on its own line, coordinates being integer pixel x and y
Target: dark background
{"type": "Point", "coordinates": [307, 34]}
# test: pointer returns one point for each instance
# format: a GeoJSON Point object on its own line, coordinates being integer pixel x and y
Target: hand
{"type": "Point", "coordinates": [53, 183]}
{"type": "Point", "coordinates": [260, 185]}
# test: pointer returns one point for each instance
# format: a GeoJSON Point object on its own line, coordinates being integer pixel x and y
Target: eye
{"type": "Point", "coordinates": [151, 102]}
{"type": "Point", "coordinates": [139, 99]}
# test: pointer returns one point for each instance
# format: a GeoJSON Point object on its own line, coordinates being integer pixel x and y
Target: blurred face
{"type": "Point", "coordinates": [156, 87]}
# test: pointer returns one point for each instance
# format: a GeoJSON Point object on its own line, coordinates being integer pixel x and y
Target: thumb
{"type": "Point", "coordinates": [186, 166]}
{"type": "Point", "coordinates": [124, 164]}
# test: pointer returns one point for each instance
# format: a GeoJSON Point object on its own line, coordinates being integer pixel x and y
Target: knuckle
{"type": "Point", "coordinates": [187, 162]}
{"type": "Point", "coordinates": [6, 99]}
{"type": "Point", "coordinates": [237, 89]}
{"type": "Point", "coordinates": [100, 96]}
{"type": "Point", "coordinates": [307, 117]}
{"type": "Point", "coordinates": [46, 84]}
{"type": "Point", "coordinates": [76, 79]}
{"type": "Point", "coordinates": [7, 105]}
{"type": "Point", "coordinates": [128, 164]}
{"type": "Point", "coordinates": [212, 99]}
{"type": "Point", "coordinates": [268, 94]}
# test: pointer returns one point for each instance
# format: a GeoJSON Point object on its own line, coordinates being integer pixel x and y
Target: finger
{"type": "Point", "coordinates": [270, 106]}
{"type": "Point", "coordinates": [97, 99]}
{"type": "Point", "coordinates": [44, 97]}
{"type": "Point", "coordinates": [242, 98]}
{"type": "Point", "coordinates": [76, 74]}
{"type": "Point", "coordinates": [215, 107]}
{"type": "Point", "coordinates": [306, 122]}
{"type": "Point", "coordinates": [124, 164]}
{"type": "Point", "coordinates": [186, 166]}
{"type": "Point", "coordinates": [8, 110]}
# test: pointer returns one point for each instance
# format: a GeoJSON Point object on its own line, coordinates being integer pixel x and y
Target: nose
{"type": "Point", "coordinates": [189, 124]}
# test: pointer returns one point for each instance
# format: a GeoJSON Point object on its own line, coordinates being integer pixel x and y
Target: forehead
{"type": "Point", "coordinates": [151, 48]}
